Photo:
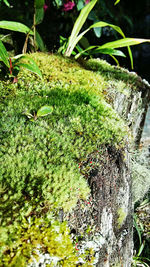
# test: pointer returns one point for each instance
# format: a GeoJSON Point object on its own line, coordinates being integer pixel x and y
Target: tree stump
{"type": "Point", "coordinates": [110, 208]}
{"type": "Point", "coordinates": [50, 164]}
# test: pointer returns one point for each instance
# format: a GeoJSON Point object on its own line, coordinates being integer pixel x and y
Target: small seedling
{"type": "Point", "coordinates": [43, 111]}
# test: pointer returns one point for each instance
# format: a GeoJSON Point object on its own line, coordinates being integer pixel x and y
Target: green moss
{"type": "Point", "coordinates": [121, 216]}
{"type": "Point", "coordinates": [36, 235]}
{"type": "Point", "coordinates": [110, 72]}
{"type": "Point", "coordinates": [40, 160]}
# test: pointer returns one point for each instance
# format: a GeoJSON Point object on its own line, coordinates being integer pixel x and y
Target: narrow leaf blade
{"type": "Point", "coordinates": [6, 3]}
{"type": "Point", "coordinates": [39, 3]}
{"type": "Point", "coordinates": [124, 42]}
{"type": "Point", "coordinates": [39, 15]}
{"type": "Point", "coordinates": [39, 42]}
{"type": "Point", "coordinates": [105, 24]}
{"type": "Point", "coordinates": [116, 2]}
{"type": "Point", "coordinates": [78, 25]}
{"type": "Point", "coordinates": [98, 49]}
{"type": "Point", "coordinates": [109, 51]}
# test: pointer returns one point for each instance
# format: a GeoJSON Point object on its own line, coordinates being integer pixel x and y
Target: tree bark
{"type": "Point", "coordinates": [111, 209]}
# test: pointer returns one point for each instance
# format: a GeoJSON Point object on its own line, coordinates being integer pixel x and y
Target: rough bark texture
{"type": "Point", "coordinates": [133, 108]}
{"type": "Point", "coordinates": [110, 208]}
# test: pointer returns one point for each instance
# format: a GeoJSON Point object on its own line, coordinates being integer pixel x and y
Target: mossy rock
{"type": "Point", "coordinates": [40, 160]}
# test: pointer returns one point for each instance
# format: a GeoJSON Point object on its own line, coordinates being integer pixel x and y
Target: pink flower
{"type": "Point", "coordinates": [45, 7]}
{"type": "Point", "coordinates": [68, 6]}
{"type": "Point", "coordinates": [87, 1]}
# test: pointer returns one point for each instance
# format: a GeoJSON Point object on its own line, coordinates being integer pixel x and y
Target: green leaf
{"type": "Point", "coordinates": [137, 228]}
{"type": "Point", "coordinates": [118, 29]}
{"type": "Point", "coordinates": [141, 248]}
{"type": "Point", "coordinates": [84, 42]}
{"type": "Point", "coordinates": [109, 51]}
{"type": "Point", "coordinates": [4, 55]}
{"type": "Point", "coordinates": [39, 3]}
{"type": "Point", "coordinates": [80, 5]}
{"type": "Point", "coordinates": [98, 32]}
{"type": "Point", "coordinates": [6, 3]}
{"type": "Point", "coordinates": [31, 66]}
{"type": "Point", "coordinates": [116, 2]}
{"type": "Point", "coordinates": [39, 42]}
{"type": "Point", "coordinates": [29, 115]}
{"type": "Point", "coordinates": [115, 59]}
{"type": "Point", "coordinates": [97, 49]}
{"type": "Point", "coordinates": [39, 15]}
{"type": "Point", "coordinates": [124, 42]}
{"type": "Point", "coordinates": [97, 25]}
{"type": "Point", "coordinates": [75, 41]}
{"type": "Point", "coordinates": [44, 111]}
{"type": "Point", "coordinates": [78, 25]}
{"type": "Point", "coordinates": [105, 24]}
{"type": "Point", "coordinates": [15, 26]}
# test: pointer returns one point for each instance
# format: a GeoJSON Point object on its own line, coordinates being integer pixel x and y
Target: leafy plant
{"type": "Point", "coordinates": [37, 19]}
{"type": "Point", "coordinates": [15, 63]}
{"type": "Point", "coordinates": [107, 48]}
{"type": "Point", "coordinates": [43, 111]}
{"type": "Point", "coordinates": [20, 27]}
{"type": "Point", "coordinates": [138, 259]}
{"type": "Point", "coordinates": [5, 2]}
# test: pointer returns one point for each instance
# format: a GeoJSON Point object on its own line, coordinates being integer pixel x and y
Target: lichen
{"type": "Point", "coordinates": [121, 216]}
{"type": "Point", "coordinates": [37, 234]}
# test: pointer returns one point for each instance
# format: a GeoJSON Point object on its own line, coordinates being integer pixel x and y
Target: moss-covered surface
{"type": "Point", "coordinates": [40, 161]}
{"type": "Point", "coordinates": [121, 216]}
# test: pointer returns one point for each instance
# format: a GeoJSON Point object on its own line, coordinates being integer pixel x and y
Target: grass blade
{"type": "Point", "coordinates": [124, 42]}
{"type": "Point", "coordinates": [78, 25]}
{"type": "Point", "coordinates": [137, 229]}
{"type": "Point", "coordinates": [116, 2]}
{"type": "Point", "coordinates": [105, 24]}
{"type": "Point", "coordinates": [118, 29]}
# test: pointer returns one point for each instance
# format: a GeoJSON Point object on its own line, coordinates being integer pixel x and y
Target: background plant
{"type": "Point", "coordinates": [5, 2]}
{"type": "Point", "coordinates": [108, 48]}
{"type": "Point", "coordinates": [141, 233]}
{"type": "Point", "coordinates": [141, 198]}
{"type": "Point", "coordinates": [120, 14]}
{"type": "Point", "coordinates": [15, 63]}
